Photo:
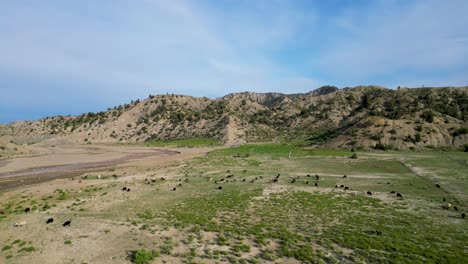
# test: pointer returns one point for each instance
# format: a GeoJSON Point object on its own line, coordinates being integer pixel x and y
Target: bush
{"type": "Point", "coordinates": [143, 256]}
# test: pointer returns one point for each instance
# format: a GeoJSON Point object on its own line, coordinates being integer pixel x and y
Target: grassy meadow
{"type": "Point", "coordinates": [227, 207]}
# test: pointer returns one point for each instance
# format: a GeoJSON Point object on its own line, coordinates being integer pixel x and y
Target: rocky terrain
{"type": "Point", "coordinates": [359, 117]}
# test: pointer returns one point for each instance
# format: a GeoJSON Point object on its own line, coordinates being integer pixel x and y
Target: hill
{"type": "Point", "coordinates": [358, 117]}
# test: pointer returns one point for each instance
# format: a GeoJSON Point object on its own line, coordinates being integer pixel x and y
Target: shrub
{"type": "Point", "coordinates": [143, 256]}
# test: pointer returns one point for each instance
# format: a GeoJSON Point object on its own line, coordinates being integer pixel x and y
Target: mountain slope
{"type": "Point", "coordinates": [364, 116]}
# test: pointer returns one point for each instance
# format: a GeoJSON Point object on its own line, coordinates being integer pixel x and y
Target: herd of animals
{"type": "Point", "coordinates": [230, 177]}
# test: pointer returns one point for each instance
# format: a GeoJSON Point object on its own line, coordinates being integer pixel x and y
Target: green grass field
{"type": "Point", "coordinates": [255, 220]}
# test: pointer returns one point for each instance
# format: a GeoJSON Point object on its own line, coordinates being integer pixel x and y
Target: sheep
{"type": "Point", "coordinates": [27, 209]}
{"type": "Point", "coordinates": [210, 179]}
{"type": "Point", "coordinates": [124, 188]}
{"type": "Point", "coordinates": [398, 195]}
{"type": "Point", "coordinates": [369, 193]}
{"type": "Point", "coordinates": [19, 224]}
{"type": "Point", "coordinates": [67, 223]}
{"type": "Point", "coordinates": [220, 187]}
{"type": "Point", "coordinates": [99, 177]}
{"type": "Point", "coordinates": [50, 220]}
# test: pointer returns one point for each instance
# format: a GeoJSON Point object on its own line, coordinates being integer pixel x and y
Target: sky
{"type": "Point", "coordinates": [71, 57]}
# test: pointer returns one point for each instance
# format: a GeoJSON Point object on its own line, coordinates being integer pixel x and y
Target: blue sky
{"type": "Point", "coordinates": [69, 57]}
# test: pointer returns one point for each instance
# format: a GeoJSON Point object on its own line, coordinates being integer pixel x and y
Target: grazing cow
{"type": "Point", "coordinates": [128, 189]}
{"type": "Point", "coordinates": [243, 180]}
{"type": "Point", "coordinates": [398, 195]}
{"type": "Point", "coordinates": [336, 186]}
{"type": "Point", "coordinates": [308, 175]}
{"type": "Point", "coordinates": [316, 184]}
{"type": "Point", "coordinates": [19, 224]}
{"type": "Point", "coordinates": [174, 189]}
{"type": "Point", "coordinates": [307, 182]}
{"type": "Point", "coordinates": [392, 192]}
{"type": "Point", "coordinates": [179, 185]}
{"type": "Point", "coordinates": [463, 216]}
{"type": "Point", "coordinates": [346, 188]}
{"type": "Point", "coordinates": [369, 193]}
{"type": "Point", "coordinates": [220, 187]}
{"type": "Point", "coordinates": [388, 182]}
{"type": "Point", "coordinates": [50, 220]}
{"type": "Point", "coordinates": [67, 223]}
{"type": "Point", "coordinates": [180, 179]}
{"type": "Point", "coordinates": [163, 179]}
{"type": "Point", "coordinates": [278, 175]}
{"type": "Point", "coordinates": [344, 176]}
{"type": "Point", "coordinates": [222, 179]}
{"type": "Point", "coordinates": [261, 177]}
{"type": "Point", "coordinates": [341, 186]}
{"type": "Point", "coordinates": [230, 176]}
{"type": "Point", "coordinates": [124, 188]}
{"type": "Point", "coordinates": [455, 208]}
{"type": "Point", "coordinates": [443, 199]}
{"type": "Point", "coordinates": [437, 185]}
{"type": "Point", "coordinates": [275, 180]}
{"type": "Point", "coordinates": [27, 209]}
{"type": "Point", "coordinates": [228, 171]}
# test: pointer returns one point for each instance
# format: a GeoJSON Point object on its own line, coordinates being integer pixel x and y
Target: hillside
{"type": "Point", "coordinates": [359, 117]}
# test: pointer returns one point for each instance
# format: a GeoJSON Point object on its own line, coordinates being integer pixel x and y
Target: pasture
{"type": "Point", "coordinates": [251, 204]}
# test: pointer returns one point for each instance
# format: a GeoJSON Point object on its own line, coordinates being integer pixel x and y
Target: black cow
{"type": "Point", "coordinates": [275, 180]}
{"type": "Point", "coordinates": [174, 188]}
{"type": "Point", "coordinates": [398, 195]}
{"type": "Point", "coordinates": [455, 208]}
{"type": "Point", "coordinates": [437, 185]}
{"type": "Point", "coordinates": [369, 193]}
{"type": "Point", "coordinates": [392, 192]}
{"type": "Point", "coordinates": [67, 223]}
{"type": "Point", "coordinates": [316, 184]}
{"type": "Point", "coordinates": [124, 188]}
{"type": "Point", "coordinates": [344, 176]}
{"type": "Point", "coordinates": [346, 188]}
{"type": "Point", "coordinates": [128, 189]}
{"type": "Point", "coordinates": [463, 216]}
{"type": "Point", "coordinates": [27, 209]}
{"type": "Point", "coordinates": [50, 220]}
{"type": "Point", "coordinates": [220, 187]}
